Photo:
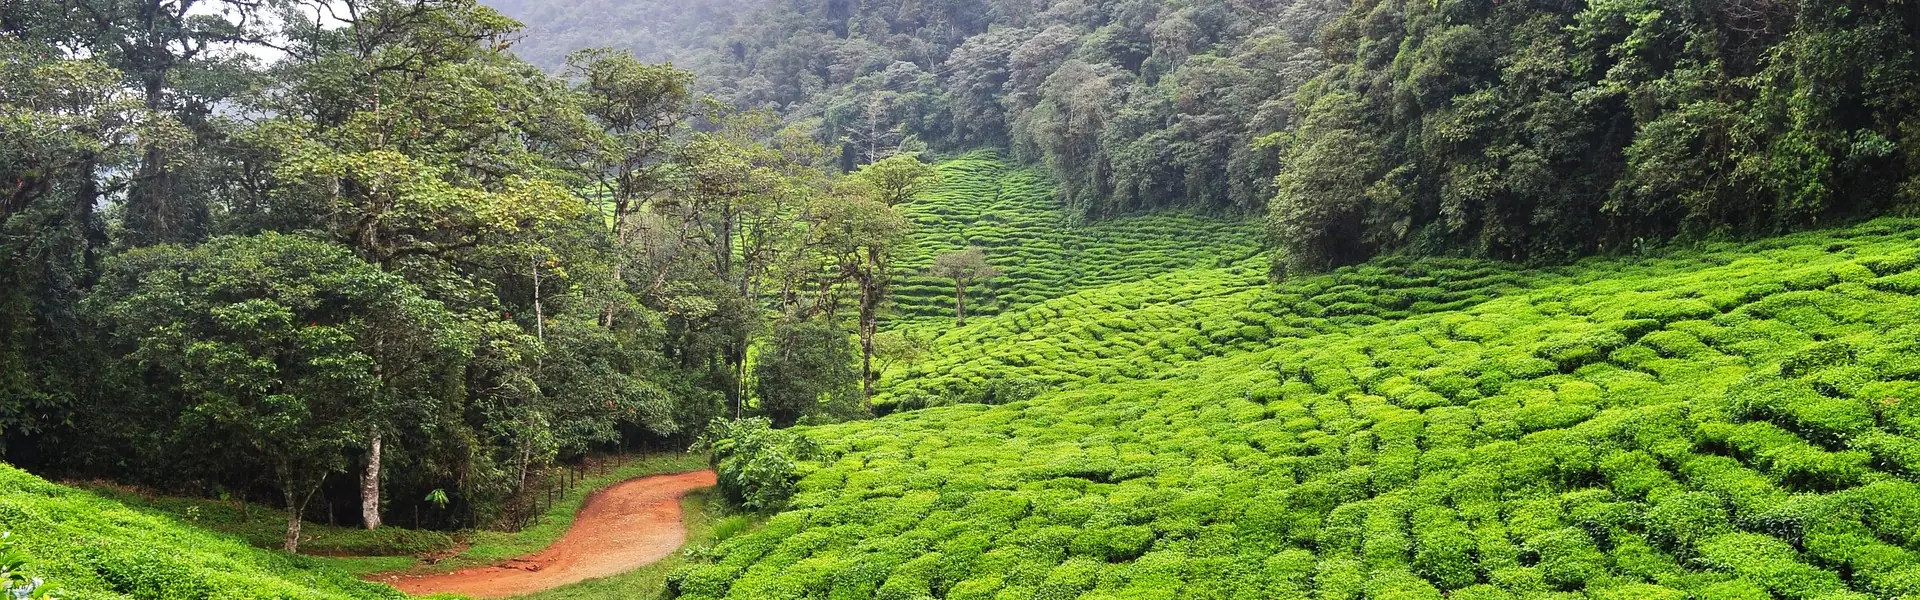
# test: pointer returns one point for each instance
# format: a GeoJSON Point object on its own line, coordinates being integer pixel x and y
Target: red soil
{"type": "Point", "coordinates": [632, 524]}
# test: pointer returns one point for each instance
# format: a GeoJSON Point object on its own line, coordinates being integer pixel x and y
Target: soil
{"type": "Point", "coordinates": [629, 525]}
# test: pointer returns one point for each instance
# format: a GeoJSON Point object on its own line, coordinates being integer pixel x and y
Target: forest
{"type": "Point", "coordinates": [1534, 131]}
{"type": "Point", "coordinates": [981, 299]}
{"type": "Point", "coordinates": [398, 260]}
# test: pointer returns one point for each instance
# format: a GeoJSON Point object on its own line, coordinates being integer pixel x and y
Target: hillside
{"type": "Point", "coordinates": [94, 548]}
{"type": "Point", "coordinates": [1733, 421]}
{"type": "Point", "coordinates": [1011, 212]}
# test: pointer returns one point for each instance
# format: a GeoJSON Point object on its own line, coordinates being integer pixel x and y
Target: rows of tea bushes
{"type": "Point", "coordinates": [1011, 212]}
{"type": "Point", "coordinates": [1147, 328]}
{"type": "Point", "coordinates": [93, 548]}
{"type": "Point", "coordinates": [1735, 422]}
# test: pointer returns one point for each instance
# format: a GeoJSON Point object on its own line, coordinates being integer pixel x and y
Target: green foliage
{"type": "Point", "coordinates": [1543, 131]}
{"type": "Point", "coordinates": [757, 464]}
{"type": "Point", "coordinates": [400, 252]}
{"type": "Point", "coordinates": [1697, 424]}
{"type": "Point", "coordinates": [95, 548]}
{"type": "Point", "coordinates": [286, 348]}
{"type": "Point", "coordinates": [807, 369]}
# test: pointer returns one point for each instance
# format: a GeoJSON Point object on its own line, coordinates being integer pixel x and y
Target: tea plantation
{"type": "Point", "coordinates": [94, 548]}
{"type": "Point", "coordinates": [1740, 421]}
{"type": "Point", "coordinates": [1011, 212]}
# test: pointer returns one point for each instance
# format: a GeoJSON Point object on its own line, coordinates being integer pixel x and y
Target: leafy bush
{"type": "Point", "coordinates": [95, 548]}
{"type": "Point", "coordinates": [757, 465]}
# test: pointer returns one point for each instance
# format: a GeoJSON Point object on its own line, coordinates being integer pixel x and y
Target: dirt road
{"type": "Point", "coordinates": [629, 525]}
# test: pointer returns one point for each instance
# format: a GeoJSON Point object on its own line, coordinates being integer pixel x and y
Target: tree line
{"type": "Point", "coordinates": [358, 250]}
{"type": "Point", "coordinates": [1529, 130]}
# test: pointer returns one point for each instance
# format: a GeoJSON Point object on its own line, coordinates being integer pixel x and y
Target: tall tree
{"type": "Point", "coordinates": [863, 235]}
{"type": "Point", "coordinates": [472, 172]}
{"type": "Point", "coordinates": [63, 122]}
{"type": "Point", "coordinates": [178, 55]}
{"type": "Point", "coordinates": [640, 107]}
{"type": "Point", "coordinates": [867, 232]}
{"type": "Point", "coordinates": [280, 343]}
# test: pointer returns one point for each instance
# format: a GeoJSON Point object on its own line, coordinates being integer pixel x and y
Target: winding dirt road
{"type": "Point", "coordinates": [629, 525]}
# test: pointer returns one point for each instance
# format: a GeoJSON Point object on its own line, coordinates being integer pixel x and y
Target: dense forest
{"type": "Point", "coordinates": [1535, 130]}
{"type": "Point", "coordinates": [397, 260]}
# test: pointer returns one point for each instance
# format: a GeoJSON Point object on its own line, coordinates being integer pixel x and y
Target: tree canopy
{"type": "Point", "coordinates": [397, 250]}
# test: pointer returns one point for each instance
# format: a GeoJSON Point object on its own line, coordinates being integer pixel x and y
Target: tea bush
{"type": "Point", "coordinates": [1012, 213]}
{"type": "Point", "coordinates": [1736, 420]}
{"type": "Point", "coordinates": [95, 548]}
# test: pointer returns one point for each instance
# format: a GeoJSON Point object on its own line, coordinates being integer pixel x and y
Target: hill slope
{"type": "Point", "coordinates": [1733, 422]}
{"type": "Point", "coordinates": [1012, 213]}
{"type": "Point", "coordinates": [95, 548]}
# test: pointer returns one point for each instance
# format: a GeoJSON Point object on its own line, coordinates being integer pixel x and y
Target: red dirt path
{"type": "Point", "coordinates": [629, 525]}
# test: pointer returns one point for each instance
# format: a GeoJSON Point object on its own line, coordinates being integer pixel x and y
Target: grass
{"type": "Point", "coordinates": [93, 547]}
{"type": "Point", "coordinates": [708, 523]}
{"type": "Point", "coordinates": [388, 549]}
{"type": "Point", "coordinates": [265, 526]}
{"type": "Point", "coordinates": [1735, 420]}
{"type": "Point", "coordinates": [488, 547]}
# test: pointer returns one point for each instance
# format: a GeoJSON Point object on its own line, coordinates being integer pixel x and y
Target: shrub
{"type": "Point", "coordinates": [1592, 431]}
{"type": "Point", "coordinates": [755, 462]}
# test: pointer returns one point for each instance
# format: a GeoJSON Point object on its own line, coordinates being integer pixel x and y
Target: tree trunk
{"type": "Point", "coordinates": [539, 312]}
{"type": "Point", "coordinates": [370, 485]}
{"type": "Point", "coordinates": [869, 309]}
{"type": "Point", "coordinates": [293, 527]}
{"type": "Point", "coordinates": [296, 503]}
{"type": "Point", "coordinates": [866, 366]}
{"type": "Point", "coordinates": [959, 303]}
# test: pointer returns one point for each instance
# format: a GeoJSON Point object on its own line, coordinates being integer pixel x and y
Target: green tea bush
{"type": "Point", "coordinates": [95, 548]}
{"type": "Point", "coordinates": [1730, 421]}
{"type": "Point", "coordinates": [983, 200]}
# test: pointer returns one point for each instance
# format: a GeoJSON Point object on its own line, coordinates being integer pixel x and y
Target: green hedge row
{"type": "Point", "coordinates": [1733, 421]}
{"type": "Point", "coordinates": [1011, 211]}
{"type": "Point", "coordinates": [94, 548]}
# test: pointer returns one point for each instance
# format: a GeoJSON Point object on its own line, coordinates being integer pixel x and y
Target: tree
{"type": "Point", "coordinates": [178, 56]}
{"type": "Point", "coordinates": [473, 175]}
{"type": "Point", "coordinates": [640, 107]}
{"type": "Point", "coordinates": [64, 122]}
{"type": "Point", "coordinates": [964, 267]}
{"type": "Point", "coordinates": [803, 367]}
{"type": "Point", "coordinates": [860, 235]}
{"type": "Point", "coordinates": [864, 232]}
{"type": "Point", "coordinates": [280, 345]}
{"type": "Point", "coordinates": [895, 180]}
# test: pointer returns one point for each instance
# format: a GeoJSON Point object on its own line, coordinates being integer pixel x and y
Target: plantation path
{"type": "Point", "coordinates": [629, 525]}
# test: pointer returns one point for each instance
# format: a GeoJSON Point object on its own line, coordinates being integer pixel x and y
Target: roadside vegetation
{"type": "Point", "coordinates": [397, 547]}
{"type": "Point", "coordinates": [86, 546]}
